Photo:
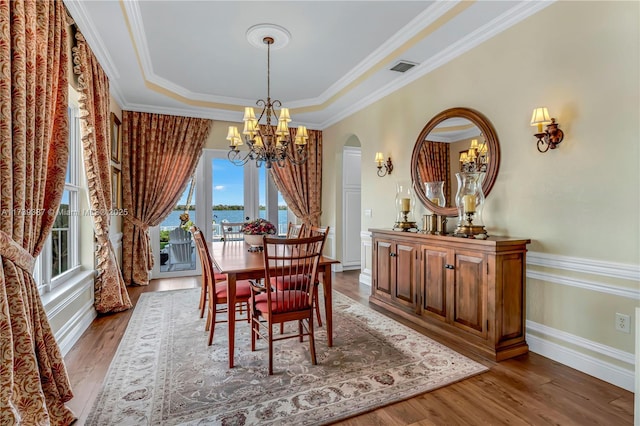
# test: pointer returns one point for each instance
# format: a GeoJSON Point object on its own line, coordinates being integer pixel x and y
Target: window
{"type": "Point", "coordinates": [59, 256]}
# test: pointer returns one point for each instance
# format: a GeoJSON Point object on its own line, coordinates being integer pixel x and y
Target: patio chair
{"type": "Point", "coordinates": [232, 231]}
{"type": "Point", "coordinates": [180, 248]}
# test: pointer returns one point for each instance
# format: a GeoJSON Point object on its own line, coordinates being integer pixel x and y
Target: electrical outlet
{"type": "Point", "coordinates": [622, 323]}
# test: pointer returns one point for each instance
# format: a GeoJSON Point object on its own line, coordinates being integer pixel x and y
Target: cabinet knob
{"type": "Point", "coordinates": [393, 254]}
{"type": "Point", "coordinates": [447, 266]}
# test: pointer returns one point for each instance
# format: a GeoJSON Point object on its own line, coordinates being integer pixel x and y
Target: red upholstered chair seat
{"type": "Point", "coordinates": [243, 290]}
{"type": "Point", "coordinates": [282, 301]}
{"type": "Point", "coordinates": [289, 282]}
{"type": "Point", "coordinates": [219, 277]}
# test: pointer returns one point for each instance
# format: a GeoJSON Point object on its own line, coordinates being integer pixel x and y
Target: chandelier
{"type": "Point", "coordinates": [265, 144]}
{"type": "Point", "coordinates": [476, 158]}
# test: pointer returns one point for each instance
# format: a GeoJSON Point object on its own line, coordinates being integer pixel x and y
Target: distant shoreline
{"type": "Point", "coordinates": [182, 207]}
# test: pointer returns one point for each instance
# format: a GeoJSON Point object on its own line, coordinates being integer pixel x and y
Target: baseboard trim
{"type": "Point", "coordinates": [71, 332]}
{"type": "Point", "coordinates": [603, 370]}
{"type": "Point", "coordinates": [365, 279]}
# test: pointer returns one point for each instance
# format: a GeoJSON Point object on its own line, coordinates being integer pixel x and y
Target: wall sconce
{"type": "Point", "coordinates": [388, 166]}
{"type": "Point", "coordinates": [552, 136]}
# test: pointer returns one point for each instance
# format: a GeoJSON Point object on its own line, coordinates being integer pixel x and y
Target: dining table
{"type": "Point", "coordinates": [237, 262]}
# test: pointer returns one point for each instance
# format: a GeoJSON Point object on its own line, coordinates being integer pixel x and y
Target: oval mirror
{"type": "Point", "coordinates": [442, 150]}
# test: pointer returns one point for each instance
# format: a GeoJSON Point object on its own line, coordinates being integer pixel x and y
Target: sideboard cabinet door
{"type": "Point", "coordinates": [395, 273]}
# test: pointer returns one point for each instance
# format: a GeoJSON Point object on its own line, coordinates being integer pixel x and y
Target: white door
{"type": "Point", "coordinates": [351, 194]}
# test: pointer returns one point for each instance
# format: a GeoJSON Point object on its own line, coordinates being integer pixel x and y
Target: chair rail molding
{"type": "Point", "coordinates": [592, 266]}
{"type": "Point", "coordinates": [630, 293]}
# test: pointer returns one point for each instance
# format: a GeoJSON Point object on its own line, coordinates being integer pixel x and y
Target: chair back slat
{"type": "Point", "coordinates": [293, 261]}
{"type": "Point", "coordinates": [179, 247]}
{"type": "Point", "coordinates": [295, 231]}
{"type": "Point", "coordinates": [319, 230]}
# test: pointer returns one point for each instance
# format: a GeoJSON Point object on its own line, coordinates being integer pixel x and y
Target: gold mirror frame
{"type": "Point", "coordinates": [493, 147]}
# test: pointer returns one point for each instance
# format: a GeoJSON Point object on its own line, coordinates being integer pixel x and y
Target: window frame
{"type": "Point", "coordinates": [44, 278]}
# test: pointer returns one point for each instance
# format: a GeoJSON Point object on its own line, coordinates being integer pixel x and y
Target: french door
{"type": "Point", "coordinates": [223, 192]}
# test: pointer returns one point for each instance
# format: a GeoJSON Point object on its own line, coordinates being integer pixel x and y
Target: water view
{"type": "Point", "coordinates": [219, 216]}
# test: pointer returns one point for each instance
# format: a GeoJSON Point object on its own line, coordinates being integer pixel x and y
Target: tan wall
{"type": "Point", "coordinates": [579, 59]}
{"type": "Point", "coordinates": [218, 135]}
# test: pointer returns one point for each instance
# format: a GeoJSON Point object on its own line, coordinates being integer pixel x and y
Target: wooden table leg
{"type": "Point", "coordinates": [326, 285]}
{"type": "Point", "coordinates": [231, 312]}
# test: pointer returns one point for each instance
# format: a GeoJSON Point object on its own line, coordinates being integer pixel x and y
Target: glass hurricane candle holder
{"type": "Point", "coordinates": [435, 192]}
{"type": "Point", "coordinates": [470, 203]}
{"type": "Point", "coordinates": [405, 204]}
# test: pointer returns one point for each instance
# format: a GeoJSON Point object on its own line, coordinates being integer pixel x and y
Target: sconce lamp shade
{"type": "Point", "coordinates": [384, 168]}
{"type": "Point", "coordinates": [540, 116]}
{"type": "Point", "coordinates": [552, 136]}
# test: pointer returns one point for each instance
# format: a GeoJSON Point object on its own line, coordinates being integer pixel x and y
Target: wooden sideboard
{"type": "Point", "coordinates": [470, 290]}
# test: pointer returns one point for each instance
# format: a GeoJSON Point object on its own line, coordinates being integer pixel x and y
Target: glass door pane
{"type": "Point", "coordinates": [227, 194]}
{"type": "Point", "coordinates": [176, 250]}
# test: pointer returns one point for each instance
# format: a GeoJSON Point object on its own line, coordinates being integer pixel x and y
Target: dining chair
{"type": "Point", "coordinates": [284, 258]}
{"type": "Point", "coordinates": [232, 231]}
{"type": "Point", "coordinates": [217, 291]}
{"type": "Point", "coordinates": [295, 231]}
{"type": "Point", "coordinates": [313, 231]}
{"type": "Point", "coordinates": [218, 276]}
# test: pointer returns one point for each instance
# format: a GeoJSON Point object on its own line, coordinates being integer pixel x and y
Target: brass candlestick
{"type": "Point", "coordinates": [430, 224]}
{"type": "Point", "coordinates": [469, 230]}
{"type": "Point", "coordinates": [405, 225]}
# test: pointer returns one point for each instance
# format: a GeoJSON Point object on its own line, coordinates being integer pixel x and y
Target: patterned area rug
{"type": "Point", "coordinates": [165, 374]}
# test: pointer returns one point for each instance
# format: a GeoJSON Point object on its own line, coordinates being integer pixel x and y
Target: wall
{"type": "Point", "coordinates": [579, 204]}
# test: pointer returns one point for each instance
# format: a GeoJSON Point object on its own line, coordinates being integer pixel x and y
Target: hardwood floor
{"type": "Point", "coordinates": [529, 389]}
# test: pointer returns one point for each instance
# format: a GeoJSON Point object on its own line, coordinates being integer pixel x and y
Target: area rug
{"type": "Point", "coordinates": [165, 374]}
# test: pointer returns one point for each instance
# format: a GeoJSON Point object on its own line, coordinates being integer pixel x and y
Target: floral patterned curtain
{"type": "Point", "coordinates": [301, 186]}
{"type": "Point", "coordinates": [34, 131]}
{"type": "Point", "coordinates": [434, 166]}
{"type": "Point", "coordinates": [110, 292]}
{"type": "Point", "coordinates": [159, 155]}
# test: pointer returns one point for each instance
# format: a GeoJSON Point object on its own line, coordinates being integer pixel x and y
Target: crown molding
{"type": "Point", "coordinates": [473, 39]}
{"type": "Point", "coordinates": [86, 26]}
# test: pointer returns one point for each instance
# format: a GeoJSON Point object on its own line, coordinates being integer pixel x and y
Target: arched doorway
{"type": "Point", "coordinates": [351, 211]}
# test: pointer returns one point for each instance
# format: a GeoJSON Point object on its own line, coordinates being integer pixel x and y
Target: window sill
{"type": "Point", "coordinates": [66, 290]}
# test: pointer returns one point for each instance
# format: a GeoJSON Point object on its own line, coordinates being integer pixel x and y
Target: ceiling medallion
{"type": "Point", "coordinates": [257, 33]}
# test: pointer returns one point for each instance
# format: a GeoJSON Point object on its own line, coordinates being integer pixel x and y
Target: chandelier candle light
{"type": "Point", "coordinates": [266, 145]}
